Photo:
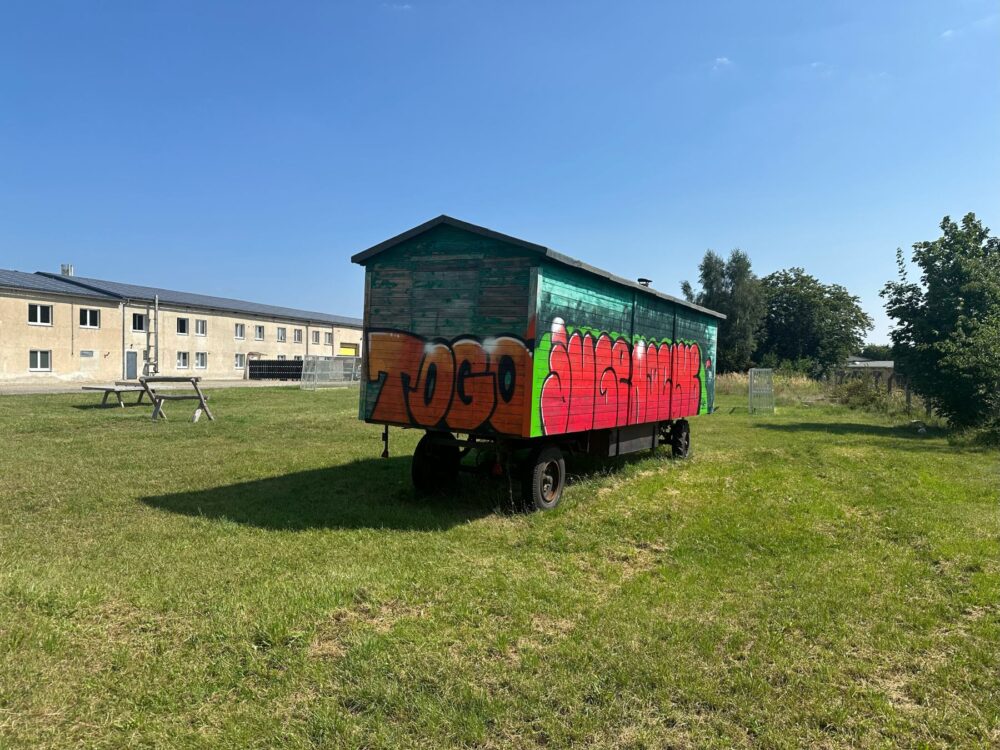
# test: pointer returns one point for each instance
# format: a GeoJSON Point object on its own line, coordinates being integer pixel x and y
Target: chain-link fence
{"type": "Point", "coordinates": [325, 372]}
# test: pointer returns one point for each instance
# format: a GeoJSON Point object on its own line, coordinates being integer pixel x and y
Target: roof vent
{"type": "Point", "coordinates": [66, 269]}
{"type": "Point", "coordinates": [644, 282]}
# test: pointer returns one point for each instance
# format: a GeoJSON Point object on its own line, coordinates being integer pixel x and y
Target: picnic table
{"type": "Point", "coordinates": [158, 397]}
{"type": "Point", "coordinates": [117, 390]}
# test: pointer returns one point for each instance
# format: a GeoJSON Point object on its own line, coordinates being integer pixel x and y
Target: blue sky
{"type": "Point", "coordinates": [248, 149]}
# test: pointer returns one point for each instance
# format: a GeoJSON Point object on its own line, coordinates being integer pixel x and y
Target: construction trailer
{"type": "Point", "coordinates": [506, 349]}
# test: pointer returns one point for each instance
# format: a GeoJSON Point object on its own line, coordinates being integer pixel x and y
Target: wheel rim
{"type": "Point", "coordinates": [551, 481]}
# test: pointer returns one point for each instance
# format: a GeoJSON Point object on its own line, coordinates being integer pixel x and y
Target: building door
{"type": "Point", "coordinates": [131, 365]}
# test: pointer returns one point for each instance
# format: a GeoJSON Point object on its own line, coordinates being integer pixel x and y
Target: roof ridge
{"type": "Point", "coordinates": [116, 289]}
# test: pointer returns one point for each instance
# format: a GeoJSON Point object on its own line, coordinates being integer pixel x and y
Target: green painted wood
{"type": "Point", "coordinates": [473, 334]}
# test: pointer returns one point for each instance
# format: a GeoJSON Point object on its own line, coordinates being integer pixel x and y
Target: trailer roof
{"type": "Point", "coordinates": [363, 257]}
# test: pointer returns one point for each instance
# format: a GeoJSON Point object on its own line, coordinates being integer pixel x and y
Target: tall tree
{"type": "Point", "coordinates": [877, 351]}
{"type": "Point", "coordinates": [947, 334]}
{"type": "Point", "coordinates": [809, 326]}
{"type": "Point", "coordinates": [730, 287]}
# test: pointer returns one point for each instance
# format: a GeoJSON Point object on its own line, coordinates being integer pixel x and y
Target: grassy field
{"type": "Point", "coordinates": [819, 577]}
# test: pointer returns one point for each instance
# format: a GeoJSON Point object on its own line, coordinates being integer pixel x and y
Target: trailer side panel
{"type": "Point", "coordinates": [608, 356]}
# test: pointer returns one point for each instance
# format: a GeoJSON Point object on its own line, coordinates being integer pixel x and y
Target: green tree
{"type": "Point", "coordinates": [809, 326]}
{"type": "Point", "coordinates": [731, 287]}
{"type": "Point", "coordinates": [877, 351]}
{"type": "Point", "coordinates": [947, 334]}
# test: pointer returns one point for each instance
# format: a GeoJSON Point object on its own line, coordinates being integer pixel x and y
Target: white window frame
{"type": "Point", "coordinates": [187, 326]}
{"type": "Point", "coordinates": [187, 360]}
{"type": "Point", "coordinates": [281, 357]}
{"type": "Point", "coordinates": [201, 357]}
{"type": "Point", "coordinates": [87, 311]}
{"type": "Point", "coordinates": [240, 331]}
{"type": "Point", "coordinates": [328, 338]}
{"type": "Point", "coordinates": [282, 334]}
{"type": "Point", "coordinates": [239, 361]}
{"type": "Point", "coordinates": [297, 335]}
{"type": "Point", "coordinates": [258, 329]}
{"type": "Point", "coordinates": [200, 327]}
{"type": "Point", "coordinates": [39, 352]}
{"type": "Point", "coordinates": [38, 314]}
{"type": "Point", "coordinates": [145, 322]}
{"type": "Point", "coordinates": [298, 357]}
{"type": "Point", "coordinates": [316, 338]}
{"type": "Point", "coordinates": [87, 354]}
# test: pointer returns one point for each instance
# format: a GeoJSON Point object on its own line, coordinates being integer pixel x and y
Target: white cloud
{"type": "Point", "coordinates": [721, 63]}
{"type": "Point", "coordinates": [980, 24]}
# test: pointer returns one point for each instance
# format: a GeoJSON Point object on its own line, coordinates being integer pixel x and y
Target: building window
{"type": "Point", "coordinates": [200, 360]}
{"type": "Point", "coordinates": [40, 360]}
{"type": "Point", "coordinates": [328, 339]}
{"type": "Point", "coordinates": [315, 337]}
{"type": "Point", "coordinates": [282, 335]}
{"type": "Point", "coordinates": [240, 361]}
{"type": "Point", "coordinates": [297, 335]}
{"type": "Point", "coordinates": [240, 331]}
{"type": "Point", "coordinates": [86, 354]}
{"type": "Point", "coordinates": [182, 360]}
{"type": "Point", "coordinates": [183, 325]}
{"type": "Point", "coordinates": [138, 322]}
{"type": "Point", "coordinates": [298, 357]}
{"type": "Point", "coordinates": [280, 357]}
{"type": "Point", "coordinates": [40, 315]}
{"type": "Point", "coordinates": [258, 333]}
{"type": "Point", "coordinates": [90, 318]}
{"type": "Point", "coordinates": [200, 327]}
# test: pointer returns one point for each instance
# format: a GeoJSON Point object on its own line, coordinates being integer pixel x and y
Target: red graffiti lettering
{"type": "Point", "coordinates": [598, 383]}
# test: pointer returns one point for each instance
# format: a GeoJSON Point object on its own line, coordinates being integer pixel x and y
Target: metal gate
{"type": "Point", "coordinates": [324, 372]}
{"type": "Point", "coordinates": [761, 395]}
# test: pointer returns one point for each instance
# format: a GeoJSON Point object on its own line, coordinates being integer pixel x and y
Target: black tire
{"type": "Point", "coordinates": [680, 439]}
{"type": "Point", "coordinates": [435, 462]}
{"type": "Point", "coordinates": [544, 478]}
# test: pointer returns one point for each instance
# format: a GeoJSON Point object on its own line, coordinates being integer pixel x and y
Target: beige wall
{"type": "Point", "coordinates": [115, 337]}
{"type": "Point", "coordinates": [65, 338]}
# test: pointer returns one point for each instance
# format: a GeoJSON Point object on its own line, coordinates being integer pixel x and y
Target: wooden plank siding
{"type": "Point", "coordinates": [607, 356]}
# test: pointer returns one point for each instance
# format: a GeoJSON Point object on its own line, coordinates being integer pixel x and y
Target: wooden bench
{"type": "Point", "coordinates": [159, 398]}
{"type": "Point", "coordinates": [117, 390]}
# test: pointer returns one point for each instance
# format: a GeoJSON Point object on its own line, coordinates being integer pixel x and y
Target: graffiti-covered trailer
{"type": "Point", "coordinates": [526, 352]}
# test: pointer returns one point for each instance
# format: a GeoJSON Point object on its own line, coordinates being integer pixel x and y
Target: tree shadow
{"type": "Point", "coordinates": [373, 493]}
{"type": "Point", "coordinates": [857, 428]}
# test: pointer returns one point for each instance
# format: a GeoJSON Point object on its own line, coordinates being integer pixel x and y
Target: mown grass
{"type": "Point", "coordinates": [820, 577]}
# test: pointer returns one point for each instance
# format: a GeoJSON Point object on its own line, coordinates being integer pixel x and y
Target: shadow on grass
{"type": "Point", "coordinates": [373, 493]}
{"type": "Point", "coordinates": [857, 428]}
{"type": "Point", "coordinates": [110, 406]}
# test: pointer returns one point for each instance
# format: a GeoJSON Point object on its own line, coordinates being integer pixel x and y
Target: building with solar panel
{"type": "Point", "coordinates": [62, 327]}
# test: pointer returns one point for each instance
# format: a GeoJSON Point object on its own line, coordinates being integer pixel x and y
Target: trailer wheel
{"type": "Point", "coordinates": [435, 462]}
{"type": "Point", "coordinates": [680, 439]}
{"type": "Point", "coordinates": [544, 478]}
